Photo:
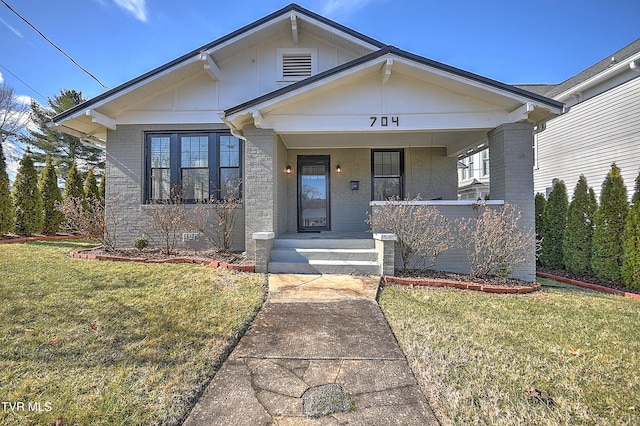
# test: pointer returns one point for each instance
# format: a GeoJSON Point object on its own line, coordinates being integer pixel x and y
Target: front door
{"type": "Point", "coordinates": [313, 193]}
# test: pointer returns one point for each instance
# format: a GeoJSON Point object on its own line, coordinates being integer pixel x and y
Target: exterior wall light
{"type": "Point", "coordinates": [338, 169]}
{"type": "Point", "coordinates": [288, 169]}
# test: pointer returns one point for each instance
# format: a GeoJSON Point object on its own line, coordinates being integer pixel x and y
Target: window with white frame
{"type": "Point", "coordinates": [485, 162]}
{"type": "Point", "coordinates": [296, 63]}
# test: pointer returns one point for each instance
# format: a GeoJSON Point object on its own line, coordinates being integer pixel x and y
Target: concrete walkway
{"type": "Point", "coordinates": [312, 331]}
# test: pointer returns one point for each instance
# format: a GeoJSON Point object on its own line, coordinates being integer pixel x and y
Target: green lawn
{"type": "Point", "coordinates": [476, 354]}
{"type": "Point", "coordinates": [112, 342]}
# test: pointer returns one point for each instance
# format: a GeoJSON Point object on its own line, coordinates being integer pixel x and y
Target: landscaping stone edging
{"type": "Point", "coordinates": [464, 285]}
{"type": "Point", "coordinates": [42, 238]}
{"type": "Point", "coordinates": [206, 262]}
{"type": "Point", "coordinates": [589, 286]}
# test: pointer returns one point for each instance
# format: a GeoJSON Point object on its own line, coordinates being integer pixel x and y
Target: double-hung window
{"type": "Point", "coordinates": [192, 165]}
{"type": "Point", "coordinates": [387, 170]}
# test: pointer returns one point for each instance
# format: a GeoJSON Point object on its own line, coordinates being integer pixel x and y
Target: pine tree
{"type": "Point", "coordinates": [7, 213]}
{"type": "Point", "coordinates": [63, 148]}
{"type": "Point", "coordinates": [27, 197]}
{"type": "Point", "coordinates": [606, 260]}
{"type": "Point", "coordinates": [73, 185]}
{"type": "Point", "coordinates": [554, 220]}
{"type": "Point", "coordinates": [631, 247]}
{"type": "Point", "coordinates": [52, 216]}
{"type": "Point", "coordinates": [579, 231]}
{"type": "Point", "coordinates": [91, 186]}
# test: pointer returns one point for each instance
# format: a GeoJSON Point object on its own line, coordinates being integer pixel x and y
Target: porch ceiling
{"type": "Point", "coordinates": [456, 142]}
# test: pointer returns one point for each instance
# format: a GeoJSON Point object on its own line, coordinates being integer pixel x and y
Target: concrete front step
{"type": "Point", "coordinates": [304, 254]}
{"type": "Point", "coordinates": [324, 256]}
{"type": "Point", "coordinates": [326, 243]}
{"type": "Point", "coordinates": [325, 267]}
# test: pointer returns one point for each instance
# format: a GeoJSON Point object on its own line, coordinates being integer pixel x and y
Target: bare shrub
{"type": "Point", "coordinates": [84, 216]}
{"type": "Point", "coordinates": [167, 218]}
{"type": "Point", "coordinates": [113, 219]}
{"type": "Point", "coordinates": [494, 242]}
{"type": "Point", "coordinates": [216, 218]}
{"type": "Point", "coordinates": [422, 233]}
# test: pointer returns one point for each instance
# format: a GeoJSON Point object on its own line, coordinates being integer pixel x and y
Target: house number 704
{"type": "Point", "coordinates": [384, 121]}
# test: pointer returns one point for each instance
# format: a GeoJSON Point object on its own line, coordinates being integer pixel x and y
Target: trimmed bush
{"type": "Point", "coordinates": [7, 213]}
{"type": "Point", "coordinates": [27, 198]}
{"type": "Point", "coordinates": [631, 247]}
{"type": "Point", "coordinates": [73, 187]}
{"type": "Point", "coordinates": [51, 198]}
{"type": "Point", "coordinates": [91, 186]}
{"type": "Point", "coordinates": [554, 220]}
{"type": "Point", "coordinates": [610, 219]}
{"type": "Point", "coordinates": [578, 233]}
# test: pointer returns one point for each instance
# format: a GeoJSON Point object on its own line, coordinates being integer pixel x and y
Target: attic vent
{"type": "Point", "coordinates": [296, 64]}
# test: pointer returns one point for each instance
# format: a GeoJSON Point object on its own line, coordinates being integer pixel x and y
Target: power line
{"type": "Point", "coordinates": [25, 83]}
{"type": "Point", "coordinates": [54, 45]}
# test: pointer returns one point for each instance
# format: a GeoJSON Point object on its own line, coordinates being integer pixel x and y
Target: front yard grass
{"type": "Point", "coordinates": [112, 342]}
{"type": "Point", "coordinates": [475, 354]}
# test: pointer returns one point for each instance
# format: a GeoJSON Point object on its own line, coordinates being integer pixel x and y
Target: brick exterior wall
{"type": "Point", "coordinates": [511, 163]}
{"type": "Point", "coordinates": [125, 209]}
{"type": "Point", "coordinates": [428, 172]}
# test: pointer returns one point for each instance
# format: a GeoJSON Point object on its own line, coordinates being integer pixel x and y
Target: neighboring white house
{"type": "Point", "coordinates": [473, 176]}
{"type": "Point", "coordinates": [600, 125]}
{"type": "Point", "coordinates": [320, 124]}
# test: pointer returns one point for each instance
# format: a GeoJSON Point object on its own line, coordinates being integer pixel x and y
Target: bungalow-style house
{"type": "Point", "coordinates": [320, 124]}
{"type": "Point", "coordinates": [600, 125]}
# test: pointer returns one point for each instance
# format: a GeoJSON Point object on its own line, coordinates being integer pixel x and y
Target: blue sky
{"type": "Point", "coordinates": [507, 40]}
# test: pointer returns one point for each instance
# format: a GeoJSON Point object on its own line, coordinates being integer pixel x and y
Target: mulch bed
{"type": "Point", "coordinates": [16, 239]}
{"type": "Point", "coordinates": [432, 278]}
{"type": "Point", "coordinates": [225, 260]}
{"type": "Point", "coordinates": [589, 282]}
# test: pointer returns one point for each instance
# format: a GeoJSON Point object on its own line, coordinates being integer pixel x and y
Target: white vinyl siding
{"type": "Point", "coordinates": [591, 136]}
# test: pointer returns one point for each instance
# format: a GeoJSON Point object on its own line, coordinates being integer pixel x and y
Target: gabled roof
{"type": "Point", "coordinates": [620, 56]}
{"type": "Point", "coordinates": [386, 50]}
{"type": "Point", "coordinates": [375, 44]}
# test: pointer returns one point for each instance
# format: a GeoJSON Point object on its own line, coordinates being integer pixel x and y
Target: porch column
{"type": "Point", "coordinates": [511, 164]}
{"type": "Point", "coordinates": [259, 184]}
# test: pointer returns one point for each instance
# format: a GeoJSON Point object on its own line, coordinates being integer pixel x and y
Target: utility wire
{"type": "Point", "coordinates": [25, 83]}
{"type": "Point", "coordinates": [54, 45]}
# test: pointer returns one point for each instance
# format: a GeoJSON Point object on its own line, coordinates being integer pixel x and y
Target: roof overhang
{"type": "Point", "coordinates": [294, 110]}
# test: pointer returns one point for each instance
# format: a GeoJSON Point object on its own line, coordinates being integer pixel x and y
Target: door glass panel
{"type": "Point", "coordinates": [313, 196]}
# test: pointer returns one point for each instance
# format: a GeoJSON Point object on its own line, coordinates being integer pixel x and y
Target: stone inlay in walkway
{"type": "Point", "coordinates": [293, 346]}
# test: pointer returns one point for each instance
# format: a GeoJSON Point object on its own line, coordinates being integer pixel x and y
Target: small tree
{"type": "Point", "coordinates": [28, 200]}
{"type": "Point", "coordinates": [579, 231]}
{"type": "Point", "coordinates": [422, 233]}
{"type": "Point", "coordinates": [631, 247]}
{"type": "Point", "coordinates": [51, 198]}
{"type": "Point", "coordinates": [73, 184]}
{"type": "Point", "coordinates": [610, 220]}
{"type": "Point", "coordinates": [554, 220]}
{"type": "Point", "coordinates": [494, 242]}
{"type": "Point", "coordinates": [7, 212]}
{"type": "Point", "coordinates": [216, 218]}
{"type": "Point", "coordinates": [91, 186]}
{"type": "Point", "coordinates": [167, 217]}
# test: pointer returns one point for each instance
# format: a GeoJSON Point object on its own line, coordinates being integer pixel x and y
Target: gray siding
{"type": "Point", "coordinates": [591, 136]}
